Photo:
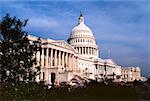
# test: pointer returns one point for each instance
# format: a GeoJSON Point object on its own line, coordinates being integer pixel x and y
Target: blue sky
{"type": "Point", "coordinates": [123, 27]}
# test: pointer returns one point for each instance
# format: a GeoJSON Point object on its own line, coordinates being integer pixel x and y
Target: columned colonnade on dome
{"type": "Point", "coordinates": [87, 50]}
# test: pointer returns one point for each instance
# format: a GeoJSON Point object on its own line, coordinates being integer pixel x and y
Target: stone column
{"type": "Point", "coordinates": [96, 52]}
{"type": "Point", "coordinates": [42, 57]}
{"type": "Point", "coordinates": [70, 58]}
{"type": "Point", "coordinates": [55, 61]}
{"type": "Point", "coordinates": [88, 50]}
{"type": "Point", "coordinates": [46, 75]}
{"type": "Point", "coordinates": [91, 50]}
{"type": "Point", "coordinates": [79, 50]}
{"type": "Point", "coordinates": [66, 60]}
{"type": "Point", "coordinates": [63, 59]}
{"type": "Point", "coordinates": [51, 57]}
{"type": "Point", "coordinates": [49, 62]}
{"type": "Point", "coordinates": [46, 63]}
{"type": "Point", "coordinates": [82, 50]}
{"type": "Point", "coordinates": [38, 58]}
{"type": "Point", "coordinates": [59, 58]}
{"type": "Point", "coordinates": [70, 62]}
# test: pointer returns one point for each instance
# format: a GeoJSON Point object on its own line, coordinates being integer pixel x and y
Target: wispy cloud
{"type": "Point", "coordinates": [42, 23]}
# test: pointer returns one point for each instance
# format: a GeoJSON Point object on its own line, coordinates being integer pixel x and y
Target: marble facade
{"type": "Point", "coordinates": [79, 56]}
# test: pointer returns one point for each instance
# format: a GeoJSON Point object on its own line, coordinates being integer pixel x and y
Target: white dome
{"type": "Point", "coordinates": [82, 39]}
{"type": "Point", "coordinates": [81, 30]}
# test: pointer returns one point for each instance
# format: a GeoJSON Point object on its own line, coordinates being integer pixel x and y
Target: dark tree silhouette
{"type": "Point", "coordinates": [17, 53]}
{"type": "Point", "coordinates": [148, 80]}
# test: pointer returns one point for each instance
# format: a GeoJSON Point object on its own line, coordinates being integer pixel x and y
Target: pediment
{"type": "Point", "coordinates": [63, 44]}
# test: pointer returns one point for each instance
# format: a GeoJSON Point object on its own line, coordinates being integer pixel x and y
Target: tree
{"type": "Point", "coordinates": [148, 80]}
{"type": "Point", "coordinates": [17, 53]}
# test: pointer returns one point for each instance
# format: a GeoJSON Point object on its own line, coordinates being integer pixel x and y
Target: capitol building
{"type": "Point", "coordinates": [62, 61]}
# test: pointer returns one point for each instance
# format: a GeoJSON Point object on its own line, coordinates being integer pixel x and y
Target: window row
{"type": "Point", "coordinates": [82, 33]}
{"type": "Point", "coordinates": [82, 40]}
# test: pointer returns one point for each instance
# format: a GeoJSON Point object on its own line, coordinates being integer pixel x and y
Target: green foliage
{"type": "Point", "coordinates": [148, 80]}
{"type": "Point", "coordinates": [93, 91]}
{"type": "Point", "coordinates": [16, 52]}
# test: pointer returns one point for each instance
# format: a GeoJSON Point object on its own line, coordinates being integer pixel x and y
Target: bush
{"type": "Point", "coordinates": [40, 91]}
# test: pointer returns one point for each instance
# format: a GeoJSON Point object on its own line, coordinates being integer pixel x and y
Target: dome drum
{"type": "Point", "coordinates": [74, 41]}
{"type": "Point", "coordinates": [87, 51]}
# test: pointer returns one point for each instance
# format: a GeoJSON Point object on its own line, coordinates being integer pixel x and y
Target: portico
{"type": "Point", "coordinates": [54, 58]}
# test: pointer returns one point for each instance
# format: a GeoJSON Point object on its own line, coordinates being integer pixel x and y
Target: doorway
{"type": "Point", "coordinates": [53, 77]}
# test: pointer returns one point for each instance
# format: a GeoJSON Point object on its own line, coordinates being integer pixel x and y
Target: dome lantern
{"type": "Point", "coordinates": [81, 19]}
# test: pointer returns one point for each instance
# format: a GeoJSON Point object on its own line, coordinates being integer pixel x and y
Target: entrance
{"type": "Point", "coordinates": [53, 77]}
